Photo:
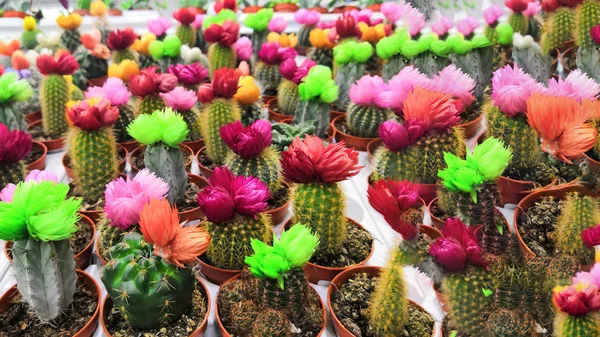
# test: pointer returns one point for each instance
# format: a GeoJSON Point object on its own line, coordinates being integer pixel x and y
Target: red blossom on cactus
{"type": "Point", "coordinates": [436, 110]}
{"type": "Point", "coordinates": [226, 4]}
{"type": "Point", "coordinates": [449, 253]}
{"type": "Point", "coordinates": [550, 5]}
{"type": "Point", "coordinates": [291, 71]}
{"type": "Point", "coordinates": [205, 93]}
{"type": "Point", "coordinates": [93, 114]}
{"type": "Point", "coordinates": [247, 142]}
{"type": "Point", "coordinates": [150, 82]}
{"type": "Point", "coordinates": [517, 6]}
{"type": "Point", "coordinates": [591, 236]}
{"type": "Point", "coordinates": [272, 53]}
{"type": "Point", "coordinates": [595, 34]}
{"type": "Point", "coordinates": [14, 145]}
{"type": "Point", "coordinates": [458, 246]}
{"type": "Point", "coordinates": [185, 16]}
{"type": "Point", "coordinates": [62, 63]}
{"type": "Point", "coordinates": [189, 74]}
{"type": "Point", "coordinates": [397, 137]}
{"type": "Point", "coordinates": [309, 160]}
{"type": "Point", "coordinates": [225, 82]}
{"type": "Point", "coordinates": [346, 26]}
{"type": "Point", "coordinates": [577, 300]}
{"type": "Point", "coordinates": [121, 39]}
{"type": "Point", "coordinates": [225, 35]}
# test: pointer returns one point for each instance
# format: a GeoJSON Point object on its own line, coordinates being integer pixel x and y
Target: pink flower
{"type": "Point", "coordinates": [205, 93]}
{"type": "Point", "coordinates": [591, 236]}
{"type": "Point", "coordinates": [402, 84]}
{"type": "Point", "coordinates": [442, 26]}
{"type": "Point", "coordinates": [492, 14]}
{"type": "Point", "coordinates": [180, 99]}
{"type": "Point", "coordinates": [449, 253]}
{"type": "Point", "coordinates": [277, 25]}
{"type": "Point", "coordinates": [533, 9]}
{"type": "Point", "coordinates": [272, 53]}
{"type": "Point", "coordinates": [113, 90]}
{"type": "Point", "coordinates": [453, 81]}
{"type": "Point", "coordinates": [588, 278]}
{"type": "Point", "coordinates": [397, 137]}
{"type": "Point", "coordinates": [307, 17]}
{"type": "Point", "coordinates": [392, 11]}
{"type": "Point", "coordinates": [577, 85]}
{"type": "Point", "coordinates": [247, 142]}
{"type": "Point", "coordinates": [578, 303]}
{"type": "Point", "coordinates": [414, 20]}
{"type": "Point", "coordinates": [216, 204]}
{"type": "Point", "coordinates": [189, 74]}
{"type": "Point", "coordinates": [365, 15]}
{"type": "Point", "coordinates": [291, 71]}
{"type": "Point", "coordinates": [326, 24]}
{"type": "Point", "coordinates": [458, 246]}
{"type": "Point", "coordinates": [467, 25]}
{"type": "Point", "coordinates": [197, 24]}
{"type": "Point", "coordinates": [595, 33]}
{"type": "Point", "coordinates": [371, 90]}
{"type": "Point", "coordinates": [7, 193]}
{"type": "Point", "coordinates": [159, 26]}
{"type": "Point", "coordinates": [243, 48]}
{"type": "Point", "coordinates": [511, 88]}
{"type": "Point", "coordinates": [125, 198]}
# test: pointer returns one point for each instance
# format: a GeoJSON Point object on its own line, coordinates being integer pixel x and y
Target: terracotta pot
{"type": "Point", "coordinates": [350, 8]}
{"type": "Point", "coordinates": [316, 273]}
{"type": "Point", "coordinates": [251, 9]}
{"type": "Point", "coordinates": [279, 213]}
{"type": "Point", "coordinates": [131, 145]}
{"type": "Point", "coordinates": [195, 145]}
{"type": "Point", "coordinates": [90, 327]}
{"type": "Point", "coordinates": [194, 213]}
{"type": "Point", "coordinates": [427, 192]}
{"type": "Point", "coordinates": [286, 8]}
{"type": "Point", "coordinates": [115, 12]}
{"type": "Point", "coordinates": [82, 12]}
{"type": "Point", "coordinates": [471, 127]}
{"type": "Point", "coordinates": [107, 305]}
{"type": "Point", "coordinates": [224, 332]}
{"type": "Point", "coordinates": [40, 163]}
{"type": "Point", "coordinates": [205, 171]}
{"type": "Point", "coordinates": [372, 147]}
{"type": "Point", "coordinates": [319, 9]}
{"type": "Point", "coordinates": [216, 275]}
{"type": "Point", "coordinates": [431, 232]}
{"type": "Point", "coordinates": [66, 161]}
{"type": "Point", "coordinates": [358, 143]}
{"type": "Point", "coordinates": [437, 222]}
{"type": "Point", "coordinates": [334, 113]}
{"type": "Point", "coordinates": [97, 250]}
{"type": "Point", "coordinates": [98, 81]}
{"type": "Point", "coordinates": [512, 191]}
{"type": "Point", "coordinates": [14, 14]}
{"type": "Point", "coordinates": [135, 153]}
{"type": "Point", "coordinates": [593, 164]}
{"type": "Point", "coordinates": [51, 145]}
{"type": "Point", "coordinates": [558, 192]}
{"type": "Point", "coordinates": [33, 117]}
{"type": "Point", "coordinates": [287, 121]}
{"type": "Point", "coordinates": [273, 115]}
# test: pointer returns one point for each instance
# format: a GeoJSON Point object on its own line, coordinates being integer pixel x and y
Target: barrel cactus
{"type": "Point", "coordinates": [117, 93]}
{"type": "Point", "coordinates": [287, 93]}
{"type": "Point", "coordinates": [317, 91]}
{"type": "Point", "coordinates": [70, 37]}
{"type": "Point", "coordinates": [185, 32]}
{"type": "Point", "coordinates": [93, 58]}
{"type": "Point", "coordinates": [147, 87]}
{"type": "Point", "coordinates": [14, 90]}
{"type": "Point", "coordinates": [370, 102]}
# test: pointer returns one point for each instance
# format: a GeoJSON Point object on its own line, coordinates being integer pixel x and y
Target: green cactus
{"type": "Point", "coordinates": [315, 112]}
{"type": "Point", "coordinates": [268, 76]}
{"type": "Point", "coordinates": [287, 97]}
{"type": "Point", "coordinates": [94, 67]}
{"type": "Point", "coordinates": [33, 103]}
{"type": "Point", "coordinates": [322, 56]}
{"type": "Point", "coordinates": [110, 235]}
{"type": "Point", "coordinates": [231, 294]}
{"type": "Point", "coordinates": [29, 39]}
{"type": "Point", "coordinates": [187, 35]}
{"type": "Point", "coordinates": [292, 300]}
{"type": "Point", "coordinates": [71, 39]}
{"type": "Point", "coordinates": [364, 121]}
{"type": "Point", "coordinates": [146, 61]}
{"type": "Point", "coordinates": [126, 116]}
{"type": "Point", "coordinates": [558, 29]}
{"type": "Point", "coordinates": [578, 213]}
{"type": "Point", "coordinates": [54, 96]}
{"type": "Point", "coordinates": [506, 323]}
{"type": "Point", "coordinates": [519, 23]}
{"type": "Point", "coordinates": [576, 326]}
{"type": "Point", "coordinates": [126, 54]}
{"type": "Point", "coordinates": [533, 62]}
{"type": "Point", "coordinates": [491, 34]}
{"type": "Point", "coordinates": [392, 66]}
{"type": "Point", "coordinates": [586, 59]}
{"type": "Point", "coordinates": [167, 162]}
{"type": "Point", "coordinates": [265, 167]}
{"type": "Point", "coordinates": [252, 112]}
{"type": "Point", "coordinates": [304, 35]}
{"type": "Point", "coordinates": [147, 290]}
{"type": "Point", "coordinates": [596, 149]}
{"type": "Point", "coordinates": [284, 134]}
{"type": "Point", "coordinates": [587, 15]}
{"type": "Point", "coordinates": [271, 323]}
{"type": "Point", "coordinates": [12, 116]}
{"type": "Point", "coordinates": [220, 57]}
{"type": "Point", "coordinates": [11, 173]}
{"type": "Point", "coordinates": [191, 119]}
{"type": "Point", "coordinates": [345, 75]}
{"type": "Point", "coordinates": [149, 104]}
{"type": "Point", "coordinates": [217, 114]}
{"type": "Point", "coordinates": [200, 40]}
{"type": "Point", "coordinates": [429, 63]}
{"type": "Point", "coordinates": [230, 241]}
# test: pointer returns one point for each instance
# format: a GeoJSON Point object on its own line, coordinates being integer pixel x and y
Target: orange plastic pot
{"type": "Point", "coordinates": [115, 12]}
{"type": "Point", "coordinates": [40, 163]}
{"type": "Point", "coordinates": [593, 164]}
{"type": "Point", "coordinates": [53, 144]}
{"type": "Point", "coordinates": [251, 9]}
{"type": "Point", "coordinates": [286, 8]}
{"type": "Point", "coordinates": [319, 9]}
{"type": "Point", "coordinates": [273, 115]}
{"type": "Point", "coordinates": [195, 145]}
{"type": "Point", "coordinates": [14, 14]}
{"type": "Point", "coordinates": [471, 127]}
{"type": "Point", "coordinates": [374, 7]}
{"type": "Point", "coordinates": [279, 213]}
{"type": "Point", "coordinates": [372, 147]}
{"type": "Point", "coordinates": [82, 12]}
{"type": "Point", "coordinates": [437, 222]}
{"type": "Point", "coordinates": [217, 275]}
{"type": "Point", "coordinates": [66, 161]}
{"type": "Point", "coordinates": [358, 143]}
{"type": "Point", "coordinates": [135, 153]}
{"type": "Point", "coordinates": [33, 117]}
{"type": "Point", "coordinates": [131, 145]}
{"type": "Point", "coordinates": [205, 171]}
{"type": "Point", "coordinates": [334, 113]}
{"type": "Point", "coordinates": [512, 191]}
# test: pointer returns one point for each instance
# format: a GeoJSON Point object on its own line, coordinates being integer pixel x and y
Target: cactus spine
{"type": "Point", "coordinates": [587, 15]}
{"type": "Point", "coordinates": [126, 116]}
{"type": "Point", "coordinates": [71, 39]}
{"type": "Point", "coordinates": [290, 300]}
{"type": "Point", "coordinates": [271, 323]}
{"type": "Point", "coordinates": [11, 173]}
{"type": "Point", "coordinates": [519, 23]}
{"type": "Point", "coordinates": [167, 163]}
{"type": "Point", "coordinates": [315, 112]}
{"type": "Point", "coordinates": [265, 167]}
{"type": "Point", "coordinates": [149, 104]}
{"type": "Point", "coordinates": [187, 35]}
{"type": "Point", "coordinates": [364, 121]}
{"type": "Point", "coordinates": [576, 326]}
{"type": "Point", "coordinates": [578, 213]}
{"type": "Point", "coordinates": [55, 95]}
{"type": "Point", "coordinates": [345, 75]}
{"type": "Point", "coordinates": [267, 75]}
{"type": "Point", "coordinates": [220, 57]}
{"type": "Point", "coordinates": [216, 114]}
{"type": "Point", "coordinates": [287, 97]}
{"type": "Point", "coordinates": [322, 56]}
{"type": "Point", "coordinates": [558, 29]}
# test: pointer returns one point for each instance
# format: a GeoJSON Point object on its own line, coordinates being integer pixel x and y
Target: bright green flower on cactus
{"type": "Point", "coordinates": [426, 40]}
{"type": "Point", "coordinates": [480, 41]}
{"type": "Point", "coordinates": [169, 47]}
{"type": "Point", "coordinates": [505, 33]}
{"type": "Point", "coordinates": [222, 16]}
{"type": "Point", "coordinates": [161, 126]}
{"type": "Point", "coordinates": [293, 250]}
{"type": "Point", "coordinates": [352, 51]}
{"type": "Point", "coordinates": [39, 210]}
{"type": "Point", "coordinates": [318, 84]}
{"type": "Point", "coordinates": [14, 90]}
{"type": "Point", "coordinates": [462, 47]}
{"type": "Point", "coordinates": [259, 21]}
{"type": "Point", "coordinates": [390, 46]}
{"type": "Point", "coordinates": [491, 158]}
{"type": "Point", "coordinates": [440, 48]}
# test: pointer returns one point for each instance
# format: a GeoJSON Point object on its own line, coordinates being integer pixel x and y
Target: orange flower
{"type": "Point", "coordinates": [188, 244]}
{"type": "Point", "coordinates": [124, 70]}
{"type": "Point", "coordinates": [90, 40]}
{"type": "Point", "coordinates": [9, 48]}
{"type": "Point", "coordinates": [372, 34]}
{"type": "Point", "coordinates": [248, 92]}
{"type": "Point", "coordinates": [70, 22]}
{"type": "Point", "coordinates": [319, 38]}
{"type": "Point", "coordinates": [285, 40]}
{"type": "Point", "coordinates": [142, 44]}
{"type": "Point", "coordinates": [98, 8]}
{"type": "Point", "coordinates": [101, 51]}
{"type": "Point", "coordinates": [560, 122]}
{"type": "Point", "coordinates": [19, 61]}
{"type": "Point", "coordinates": [432, 109]}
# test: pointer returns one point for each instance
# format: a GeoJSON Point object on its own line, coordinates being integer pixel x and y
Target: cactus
{"type": "Point", "coordinates": [586, 59]}
{"type": "Point", "coordinates": [519, 23]}
{"type": "Point", "coordinates": [266, 71]}
{"type": "Point", "coordinates": [71, 39]}
{"type": "Point", "coordinates": [94, 67]}
{"type": "Point", "coordinates": [221, 32]}
{"type": "Point", "coordinates": [322, 56]}
{"type": "Point", "coordinates": [290, 300]}
{"type": "Point", "coordinates": [576, 326]}
{"type": "Point", "coordinates": [316, 92]}
{"type": "Point", "coordinates": [267, 75]}
{"type": "Point", "coordinates": [33, 103]}
{"type": "Point", "coordinates": [259, 23]}
{"type": "Point", "coordinates": [117, 93]}
{"type": "Point", "coordinates": [30, 32]}
{"type": "Point", "coordinates": [475, 58]}
{"type": "Point", "coordinates": [369, 106]}
{"type": "Point", "coordinates": [221, 57]}
{"type": "Point", "coordinates": [271, 323]}
{"type": "Point", "coordinates": [533, 62]}
{"type": "Point", "coordinates": [364, 121]}
{"type": "Point", "coordinates": [587, 15]}
{"type": "Point", "coordinates": [350, 58]}
{"type": "Point", "coordinates": [287, 97]}
{"type": "Point", "coordinates": [15, 91]}
{"type": "Point", "coordinates": [304, 35]}
{"type": "Point", "coordinates": [284, 134]}
{"type": "Point", "coordinates": [578, 213]}
{"type": "Point", "coordinates": [506, 323]}
{"type": "Point", "coordinates": [186, 34]}
{"type": "Point", "coordinates": [120, 42]}
{"type": "Point", "coordinates": [558, 29]}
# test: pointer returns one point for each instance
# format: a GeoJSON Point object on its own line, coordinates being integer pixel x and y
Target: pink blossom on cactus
{"type": "Point", "coordinates": [407, 79]}
{"type": "Point", "coordinates": [533, 9]}
{"type": "Point", "coordinates": [392, 11]}
{"type": "Point", "coordinates": [451, 80]}
{"type": "Point", "coordinates": [307, 17]}
{"type": "Point", "coordinates": [125, 198]}
{"type": "Point", "coordinates": [114, 90]}
{"type": "Point", "coordinates": [442, 26]}
{"type": "Point", "coordinates": [277, 24]}
{"type": "Point", "coordinates": [397, 137]}
{"type": "Point", "coordinates": [6, 194]}
{"type": "Point", "coordinates": [458, 246]}
{"type": "Point", "coordinates": [326, 24]}
{"type": "Point", "coordinates": [576, 301]}
{"type": "Point", "coordinates": [247, 142]}
{"type": "Point", "coordinates": [371, 90]}
{"type": "Point", "coordinates": [592, 277]}
{"type": "Point", "coordinates": [577, 85]}
{"type": "Point", "coordinates": [291, 71]}
{"type": "Point", "coordinates": [414, 20]}
{"type": "Point", "coordinates": [449, 253]}
{"type": "Point", "coordinates": [217, 204]}
{"type": "Point", "coordinates": [159, 26]}
{"type": "Point", "coordinates": [492, 14]}
{"type": "Point", "coordinates": [189, 74]}
{"type": "Point", "coordinates": [205, 93]}
{"type": "Point", "coordinates": [302, 71]}
{"type": "Point", "coordinates": [180, 99]}
{"type": "Point", "coordinates": [511, 87]}
{"type": "Point", "coordinates": [272, 53]}
{"type": "Point", "coordinates": [467, 25]}
{"type": "Point", "coordinates": [197, 24]}
{"type": "Point", "coordinates": [243, 48]}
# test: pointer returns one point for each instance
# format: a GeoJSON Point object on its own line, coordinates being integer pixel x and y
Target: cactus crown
{"type": "Point", "coordinates": [371, 91]}
{"type": "Point", "coordinates": [163, 126]}
{"type": "Point", "coordinates": [224, 84]}
{"type": "Point", "coordinates": [247, 142]}
{"type": "Point", "coordinates": [352, 51]}
{"type": "Point", "coordinates": [259, 21]}
{"type": "Point", "coordinates": [92, 114]}
{"type": "Point", "coordinates": [169, 47]}
{"type": "Point", "coordinates": [318, 85]}
{"type": "Point", "coordinates": [13, 89]}
{"type": "Point", "coordinates": [16, 145]}
{"type": "Point", "coordinates": [293, 250]}
{"type": "Point", "coordinates": [72, 21]}
{"type": "Point", "coordinates": [189, 74]}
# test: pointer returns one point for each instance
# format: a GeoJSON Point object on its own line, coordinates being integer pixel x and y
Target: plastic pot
{"type": "Point", "coordinates": [279, 213]}
{"type": "Point", "coordinates": [251, 9]}
{"type": "Point", "coordinates": [358, 143]}
{"type": "Point", "coordinates": [320, 9]}
{"type": "Point", "coordinates": [471, 127]}
{"type": "Point", "coordinates": [512, 191]}
{"type": "Point", "coordinates": [195, 145]}
{"type": "Point", "coordinates": [372, 147]}
{"type": "Point", "coordinates": [33, 117]}
{"type": "Point", "coordinates": [593, 164]}
{"type": "Point", "coordinates": [273, 115]}
{"type": "Point", "coordinates": [194, 213]}
{"type": "Point", "coordinates": [335, 113]}
{"type": "Point", "coordinates": [98, 81]}
{"type": "Point", "coordinates": [53, 144]}
{"type": "Point", "coordinates": [205, 171]}
{"type": "Point", "coordinates": [130, 145]}
{"type": "Point", "coordinates": [40, 163]}
{"type": "Point", "coordinates": [286, 8]}
{"type": "Point", "coordinates": [437, 222]}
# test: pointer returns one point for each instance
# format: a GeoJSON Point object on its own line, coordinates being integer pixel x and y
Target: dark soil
{"type": "Point", "coordinates": [37, 133]}
{"type": "Point", "coordinates": [544, 173]}
{"type": "Point", "coordinates": [205, 161]}
{"type": "Point", "coordinates": [35, 154]}
{"type": "Point", "coordinates": [138, 160]}
{"type": "Point", "coordinates": [190, 200]}
{"type": "Point", "coordinates": [355, 249]}
{"type": "Point", "coordinates": [469, 115]}
{"type": "Point", "coordinates": [538, 224]}
{"type": "Point", "coordinates": [351, 306]}
{"type": "Point", "coordinates": [183, 327]}
{"type": "Point", "coordinates": [279, 198]}
{"type": "Point", "coordinates": [593, 155]}
{"type": "Point", "coordinates": [86, 205]}
{"type": "Point", "coordinates": [19, 321]}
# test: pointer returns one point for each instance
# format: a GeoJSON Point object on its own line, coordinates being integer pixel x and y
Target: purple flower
{"type": "Point", "coordinates": [247, 142]}
{"type": "Point", "coordinates": [492, 14]}
{"type": "Point", "coordinates": [189, 74]}
{"type": "Point", "coordinates": [467, 25]}
{"type": "Point", "coordinates": [159, 26]}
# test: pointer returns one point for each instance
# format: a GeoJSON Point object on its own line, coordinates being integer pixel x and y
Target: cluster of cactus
{"type": "Point", "coordinates": [266, 71]}
{"type": "Point", "coordinates": [93, 66]}
{"type": "Point", "coordinates": [166, 52]}
{"type": "Point", "coordinates": [284, 134]}
{"type": "Point", "coordinates": [558, 29]}
{"type": "Point", "coordinates": [220, 51]}
{"type": "Point", "coordinates": [579, 212]}
{"type": "Point", "coordinates": [16, 91]}
{"type": "Point", "coordinates": [317, 91]}
{"type": "Point", "coordinates": [30, 33]}
{"type": "Point", "coordinates": [349, 57]}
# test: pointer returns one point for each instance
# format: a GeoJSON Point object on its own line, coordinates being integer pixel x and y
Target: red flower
{"type": "Point", "coordinates": [225, 35]}
{"type": "Point", "coordinates": [121, 39]}
{"type": "Point", "coordinates": [345, 26]}
{"type": "Point", "coordinates": [149, 82]}
{"type": "Point", "coordinates": [397, 137]}
{"type": "Point", "coordinates": [392, 199]}
{"type": "Point", "coordinates": [226, 4]}
{"type": "Point", "coordinates": [185, 16]}
{"type": "Point", "coordinates": [272, 53]}
{"type": "Point", "coordinates": [595, 33]}
{"type": "Point", "coordinates": [225, 82]}
{"type": "Point", "coordinates": [591, 236]}
{"type": "Point", "coordinates": [247, 142]}
{"type": "Point", "coordinates": [205, 93]}
{"type": "Point", "coordinates": [93, 114]}
{"type": "Point", "coordinates": [550, 5]}
{"type": "Point", "coordinates": [62, 63]}
{"type": "Point", "coordinates": [570, 3]}
{"type": "Point", "coordinates": [309, 160]}
{"type": "Point", "coordinates": [577, 302]}
{"type": "Point", "coordinates": [14, 145]}
{"type": "Point", "coordinates": [466, 236]}
{"type": "Point", "coordinates": [449, 253]}
{"type": "Point", "coordinates": [517, 6]}
{"type": "Point", "coordinates": [216, 204]}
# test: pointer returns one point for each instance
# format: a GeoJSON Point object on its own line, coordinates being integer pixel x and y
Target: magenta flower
{"type": "Point", "coordinates": [189, 74]}
{"type": "Point", "coordinates": [451, 80]}
{"type": "Point", "coordinates": [397, 137]}
{"type": "Point", "coordinates": [124, 199]}
{"type": "Point", "coordinates": [371, 90]}
{"type": "Point", "coordinates": [6, 195]}
{"type": "Point", "coordinates": [458, 246]}
{"type": "Point", "coordinates": [180, 99]}
{"type": "Point", "coordinates": [595, 33]}
{"type": "Point", "coordinates": [307, 17]}
{"type": "Point", "coordinates": [492, 14]}
{"type": "Point", "coordinates": [467, 25]}
{"type": "Point", "coordinates": [272, 53]}
{"type": "Point", "coordinates": [414, 20]}
{"type": "Point", "coordinates": [577, 85]}
{"type": "Point", "coordinates": [591, 278]}
{"type": "Point", "coordinates": [533, 9]}
{"type": "Point", "coordinates": [14, 145]}
{"type": "Point", "coordinates": [326, 24]}
{"type": "Point", "coordinates": [159, 26]}
{"type": "Point", "coordinates": [392, 11]}
{"type": "Point", "coordinates": [511, 88]}
{"type": "Point", "coordinates": [243, 48]}
{"type": "Point", "coordinates": [277, 25]}
{"type": "Point", "coordinates": [576, 302]}
{"type": "Point", "coordinates": [402, 84]}
{"type": "Point", "coordinates": [291, 71]}
{"type": "Point", "coordinates": [442, 26]}
{"type": "Point", "coordinates": [365, 15]}
{"type": "Point", "coordinates": [197, 24]}
{"type": "Point", "coordinates": [216, 204]}
{"type": "Point", "coordinates": [113, 90]}
{"type": "Point", "coordinates": [247, 142]}
{"type": "Point", "coordinates": [591, 236]}
{"type": "Point", "coordinates": [449, 253]}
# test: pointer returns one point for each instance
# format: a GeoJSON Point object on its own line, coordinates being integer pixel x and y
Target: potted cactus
{"type": "Point", "coordinates": [17, 145]}
{"type": "Point", "coordinates": [288, 97]}
{"type": "Point", "coordinates": [587, 53]}
{"type": "Point", "coordinates": [147, 87]}
{"type": "Point", "coordinates": [517, 20]}
{"type": "Point", "coordinates": [308, 20]}
{"type": "Point", "coordinates": [221, 32]}
{"type": "Point", "coordinates": [40, 221]}
{"type": "Point", "coordinates": [167, 52]}
{"type": "Point", "coordinates": [183, 102]}
{"type": "Point", "coordinates": [275, 294]}
{"type": "Point", "coordinates": [185, 32]}
{"type": "Point", "coordinates": [317, 91]}
{"type": "Point", "coordinates": [283, 134]}
{"type": "Point", "coordinates": [321, 50]}
{"type": "Point", "coordinates": [70, 37]}
{"type": "Point", "coordinates": [558, 29]}
{"type": "Point", "coordinates": [528, 56]}
{"type": "Point", "coordinates": [142, 47]}
{"type": "Point", "coordinates": [120, 42]}
{"type": "Point", "coordinates": [248, 97]}
{"type": "Point", "coordinates": [93, 58]}
{"type": "Point", "coordinates": [259, 22]}
{"type": "Point", "coordinates": [30, 33]}
{"type": "Point", "coordinates": [389, 49]}
{"type": "Point", "coordinates": [266, 71]}
{"type": "Point", "coordinates": [166, 294]}
{"type": "Point", "coordinates": [232, 206]}
{"type": "Point", "coordinates": [15, 91]}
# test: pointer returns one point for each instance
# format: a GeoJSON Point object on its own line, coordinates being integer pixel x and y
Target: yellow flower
{"type": "Point", "coordinates": [248, 92]}
{"type": "Point", "coordinates": [124, 70]}
{"type": "Point", "coordinates": [285, 40]}
{"type": "Point", "coordinates": [69, 79]}
{"type": "Point", "coordinates": [70, 22]}
{"type": "Point", "coordinates": [319, 39]}
{"type": "Point", "coordinates": [141, 45]}
{"type": "Point", "coordinates": [29, 23]}
{"type": "Point", "coordinates": [98, 8]}
{"type": "Point", "coordinates": [70, 104]}
{"type": "Point", "coordinates": [371, 34]}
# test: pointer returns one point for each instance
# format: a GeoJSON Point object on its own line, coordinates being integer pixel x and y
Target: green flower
{"type": "Point", "coordinates": [426, 40]}
{"type": "Point", "coordinates": [267, 262]}
{"type": "Point", "coordinates": [459, 176]}
{"type": "Point", "coordinates": [505, 33]}
{"type": "Point", "coordinates": [162, 125]}
{"type": "Point", "coordinates": [259, 21]}
{"type": "Point", "coordinates": [462, 47]}
{"type": "Point", "coordinates": [157, 49]}
{"type": "Point", "coordinates": [222, 16]}
{"type": "Point", "coordinates": [318, 84]}
{"type": "Point", "coordinates": [490, 158]}
{"type": "Point", "coordinates": [14, 90]}
{"type": "Point", "coordinates": [480, 41]}
{"type": "Point", "coordinates": [172, 46]}
{"type": "Point", "coordinates": [390, 46]}
{"type": "Point", "coordinates": [440, 48]}
{"type": "Point", "coordinates": [410, 49]}
{"type": "Point", "coordinates": [352, 51]}
{"type": "Point", "coordinates": [298, 245]}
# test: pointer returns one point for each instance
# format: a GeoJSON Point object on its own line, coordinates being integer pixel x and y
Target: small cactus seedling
{"type": "Point", "coordinates": [142, 47]}
{"type": "Point", "coordinates": [577, 305]}
{"type": "Point", "coordinates": [115, 91]}
{"type": "Point", "coordinates": [147, 87]}
{"type": "Point", "coordinates": [120, 41]}
{"type": "Point", "coordinates": [322, 49]}
{"type": "Point", "coordinates": [167, 52]}
{"type": "Point", "coordinates": [190, 75]}
{"type": "Point", "coordinates": [259, 22]}
{"type": "Point", "coordinates": [185, 32]}
{"type": "Point", "coordinates": [349, 57]}
{"type": "Point", "coordinates": [40, 222]}
{"type": "Point", "coordinates": [30, 33]}
{"type": "Point", "coordinates": [317, 91]}
{"type": "Point", "coordinates": [146, 277]}
{"type": "Point", "coordinates": [371, 99]}
{"type": "Point", "coordinates": [70, 37]}
{"type": "Point", "coordinates": [316, 170]}
{"type": "Point", "coordinates": [221, 32]}
{"type": "Point", "coordinates": [92, 146]}
{"type": "Point", "coordinates": [579, 212]}
{"type": "Point", "coordinates": [288, 97]}
{"type": "Point", "coordinates": [183, 102]}
{"type": "Point", "coordinates": [232, 206]}
{"type": "Point", "coordinates": [558, 29]}
{"type": "Point", "coordinates": [308, 19]}
{"type": "Point", "coordinates": [54, 91]}
{"type": "Point", "coordinates": [14, 90]}
{"type": "Point", "coordinates": [16, 147]}
{"type": "Point", "coordinates": [93, 59]}
{"type": "Point", "coordinates": [284, 134]}
{"type": "Point", "coordinates": [517, 19]}
{"type": "Point", "coordinates": [161, 133]}
{"type": "Point", "coordinates": [266, 71]}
